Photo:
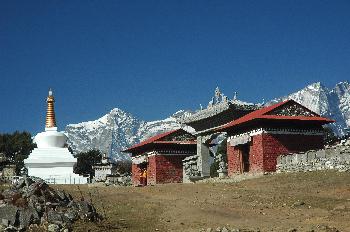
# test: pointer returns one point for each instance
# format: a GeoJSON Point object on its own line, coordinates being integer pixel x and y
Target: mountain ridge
{"type": "Point", "coordinates": [118, 129]}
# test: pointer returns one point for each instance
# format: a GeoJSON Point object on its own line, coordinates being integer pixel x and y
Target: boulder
{"type": "Point", "coordinates": [12, 229]}
{"type": "Point", "coordinates": [55, 217]}
{"type": "Point", "coordinates": [62, 196]}
{"type": "Point", "coordinates": [20, 184]}
{"type": "Point", "coordinates": [53, 228]}
{"type": "Point", "coordinates": [33, 189]}
{"type": "Point", "coordinates": [28, 216]}
{"type": "Point", "coordinates": [32, 202]}
{"type": "Point", "coordinates": [9, 214]}
{"type": "Point", "coordinates": [28, 181]}
{"type": "Point", "coordinates": [9, 194]}
{"type": "Point", "coordinates": [85, 210]}
{"type": "Point", "coordinates": [71, 214]}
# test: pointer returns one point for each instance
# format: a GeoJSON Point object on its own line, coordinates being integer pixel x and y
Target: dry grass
{"type": "Point", "coordinates": [264, 203]}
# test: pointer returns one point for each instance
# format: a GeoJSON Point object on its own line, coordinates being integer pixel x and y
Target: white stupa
{"type": "Point", "coordinates": [51, 160]}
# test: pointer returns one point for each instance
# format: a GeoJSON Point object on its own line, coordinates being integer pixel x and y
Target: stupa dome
{"type": "Point", "coordinates": [50, 139]}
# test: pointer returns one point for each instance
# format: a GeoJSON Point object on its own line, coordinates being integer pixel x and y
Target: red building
{"type": "Point", "coordinates": [258, 138]}
{"type": "Point", "coordinates": [162, 157]}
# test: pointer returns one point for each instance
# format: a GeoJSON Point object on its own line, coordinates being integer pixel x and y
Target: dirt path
{"type": "Point", "coordinates": [304, 201]}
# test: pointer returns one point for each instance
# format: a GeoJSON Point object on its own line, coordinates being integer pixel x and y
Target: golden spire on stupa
{"type": "Point", "coordinates": [50, 112]}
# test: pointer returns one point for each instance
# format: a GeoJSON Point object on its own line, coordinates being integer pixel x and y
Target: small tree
{"type": "Point", "coordinates": [124, 166]}
{"type": "Point", "coordinates": [16, 147]}
{"type": "Point", "coordinates": [85, 161]}
{"type": "Point", "coordinates": [330, 137]}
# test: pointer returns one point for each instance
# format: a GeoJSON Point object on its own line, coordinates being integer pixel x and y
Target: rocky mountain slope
{"type": "Point", "coordinates": [116, 131]}
{"type": "Point", "coordinates": [333, 103]}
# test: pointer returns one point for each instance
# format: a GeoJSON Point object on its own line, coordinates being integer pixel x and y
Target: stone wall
{"type": "Point", "coordinates": [190, 169]}
{"type": "Point", "coordinates": [331, 158]}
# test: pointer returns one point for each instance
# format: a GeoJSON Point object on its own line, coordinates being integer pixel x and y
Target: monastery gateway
{"type": "Point", "coordinates": [256, 136]}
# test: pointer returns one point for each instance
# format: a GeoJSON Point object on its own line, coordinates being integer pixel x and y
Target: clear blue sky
{"type": "Point", "coordinates": [152, 58]}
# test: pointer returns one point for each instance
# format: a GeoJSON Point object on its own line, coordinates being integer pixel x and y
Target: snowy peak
{"type": "Point", "coordinates": [316, 86]}
{"type": "Point", "coordinates": [341, 94]}
{"type": "Point", "coordinates": [342, 88]}
{"type": "Point", "coordinates": [117, 131]}
{"type": "Point", "coordinates": [332, 103]}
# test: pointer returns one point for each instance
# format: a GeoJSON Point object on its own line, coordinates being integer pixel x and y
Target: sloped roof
{"type": "Point", "coordinates": [263, 114]}
{"type": "Point", "coordinates": [158, 139]}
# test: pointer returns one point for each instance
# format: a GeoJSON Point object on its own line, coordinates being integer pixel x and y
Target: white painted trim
{"type": "Point", "coordinates": [206, 130]}
{"type": "Point", "coordinates": [167, 154]}
{"type": "Point", "coordinates": [139, 159]}
{"type": "Point", "coordinates": [278, 132]}
{"type": "Point", "coordinates": [152, 153]}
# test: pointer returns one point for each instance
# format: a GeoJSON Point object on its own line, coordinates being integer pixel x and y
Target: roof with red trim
{"type": "Point", "coordinates": [158, 140]}
{"type": "Point", "coordinates": [264, 114]}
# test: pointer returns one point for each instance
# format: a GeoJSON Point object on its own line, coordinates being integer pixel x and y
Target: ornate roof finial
{"type": "Point", "coordinates": [50, 112]}
{"type": "Point", "coordinates": [217, 95]}
{"type": "Point", "coordinates": [211, 103]}
{"type": "Point", "coordinates": [235, 96]}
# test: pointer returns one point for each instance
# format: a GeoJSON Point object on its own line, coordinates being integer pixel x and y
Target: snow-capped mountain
{"type": "Point", "coordinates": [119, 130]}
{"type": "Point", "coordinates": [332, 103]}
{"type": "Point", "coordinates": [116, 131]}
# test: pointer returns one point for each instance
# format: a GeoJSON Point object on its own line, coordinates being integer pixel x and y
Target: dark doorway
{"type": "Point", "coordinates": [245, 157]}
{"type": "Point", "coordinates": [143, 165]}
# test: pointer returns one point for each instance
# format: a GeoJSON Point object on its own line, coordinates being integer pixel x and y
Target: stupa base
{"type": "Point", "coordinates": [54, 165]}
{"type": "Point", "coordinates": [57, 175]}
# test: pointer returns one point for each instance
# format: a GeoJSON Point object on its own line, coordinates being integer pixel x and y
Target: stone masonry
{"type": "Point", "coordinates": [330, 158]}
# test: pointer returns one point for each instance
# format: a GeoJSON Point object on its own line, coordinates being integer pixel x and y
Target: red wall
{"type": "Point", "coordinates": [135, 174]}
{"type": "Point", "coordinates": [233, 162]}
{"type": "Point", "coordinates": [255, 156]}
{"type": "Point", "coordinates": [275, 145]}
{"type": "Point", "coordinates": [151, 170]}
{"type": "Point", "coordinates": [265, 148]}
{"type": "Point", "coordinates": [161, 169]}
{"type": "Point", "coordinates": [169, 169]}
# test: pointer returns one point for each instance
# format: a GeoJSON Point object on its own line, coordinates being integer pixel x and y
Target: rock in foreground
{"type": "Point", "coordinates": [33, 203]}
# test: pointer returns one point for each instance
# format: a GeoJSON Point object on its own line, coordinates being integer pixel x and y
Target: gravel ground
{"type": "Point", "coordinates": [315, 201]}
